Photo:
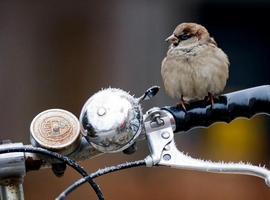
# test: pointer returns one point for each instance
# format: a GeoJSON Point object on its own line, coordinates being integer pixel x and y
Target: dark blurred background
{"type": "Point", "coordinates": [56, 54]}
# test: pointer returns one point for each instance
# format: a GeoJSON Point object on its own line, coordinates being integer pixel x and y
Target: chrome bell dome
{"type": "Point", "coordinates": [112, 119]}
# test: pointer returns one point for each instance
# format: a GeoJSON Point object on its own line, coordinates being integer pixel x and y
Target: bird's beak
{"type": "Point", "coordinates": [172, 39]}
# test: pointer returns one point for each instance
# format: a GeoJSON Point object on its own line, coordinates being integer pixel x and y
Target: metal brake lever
{"type": "Point", "coordinates": [159, 126]}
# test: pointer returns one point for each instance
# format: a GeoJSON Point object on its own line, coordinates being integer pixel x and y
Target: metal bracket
{"type": "Point", "coordinates": [12, 164]}
{"type": "Point", "coordinates": [12, 172]}
{"type": "Point", "coordinates": [159, 127]}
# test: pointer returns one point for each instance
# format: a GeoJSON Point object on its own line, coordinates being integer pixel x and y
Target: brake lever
{"type": "Point", "coordinates": [159, 126]}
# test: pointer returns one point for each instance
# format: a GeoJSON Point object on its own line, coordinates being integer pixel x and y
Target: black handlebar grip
{"type": "Point", "coordinates": [227, 107]}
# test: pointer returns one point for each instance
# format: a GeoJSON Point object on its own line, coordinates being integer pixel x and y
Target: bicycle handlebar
{"type": "Point", "coordinates": [227, 107]}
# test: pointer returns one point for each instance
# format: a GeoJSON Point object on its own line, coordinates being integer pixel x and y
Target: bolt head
{"type": "Point", "coordinates": [167, 157]}
{"type": "Point", "coordinates": [101, 111]}
{"type": "Point", "coordinates": [165, 135]}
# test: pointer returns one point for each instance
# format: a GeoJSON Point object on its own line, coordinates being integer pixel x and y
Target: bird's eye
{"type": "Point", "coordinates": [184, 36]}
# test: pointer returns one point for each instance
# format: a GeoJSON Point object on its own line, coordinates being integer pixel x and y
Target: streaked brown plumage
{"type": "Point", "coordinates": [194, 65]}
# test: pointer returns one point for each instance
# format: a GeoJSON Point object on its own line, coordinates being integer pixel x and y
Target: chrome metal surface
{"type": "Point", "coordinates": [111, 120]}
{"type": "Point", "coordinates": [164, 152]}
{"type": "Point", "coordinates": [179, 160]}
{"type": "Point", "coordinates": [13, 190]}
{"type": "Point", "coordinates": [83, 152]}
{"type": "Point", "coordinates": [12, 171]}
{"type": "Point", "coordinates": [156, 114]}
{"type": "Point", "coordinates": [155, 131]}
{"type": "Point", "coordinates": [149, 93]}
{"type": "Point", "coordinates": [12, 164]}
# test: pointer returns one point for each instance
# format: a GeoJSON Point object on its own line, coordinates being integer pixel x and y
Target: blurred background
{"type": "Point", "coordinates": [56, 54]}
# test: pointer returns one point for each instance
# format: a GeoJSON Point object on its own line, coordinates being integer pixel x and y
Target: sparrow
{"type": "Point", "coordinates": [194, 67]}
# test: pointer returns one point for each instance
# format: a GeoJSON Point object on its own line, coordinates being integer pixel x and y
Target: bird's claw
{"type": "Point", "coordinates": [211, 98]}
{"type": "Point", "coordinates": [182, 104]}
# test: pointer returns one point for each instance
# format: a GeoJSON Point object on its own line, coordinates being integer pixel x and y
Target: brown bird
{"type": "Point", "coordinates": [194, 66]}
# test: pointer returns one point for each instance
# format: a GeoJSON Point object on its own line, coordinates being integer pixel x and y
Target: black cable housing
{"type": "Point", "coordinates": [57, 156]}
{"type": "Point", "coordinates": [99, 173]}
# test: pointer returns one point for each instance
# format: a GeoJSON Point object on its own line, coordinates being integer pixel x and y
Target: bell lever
{"type": "Point", "coordinates": [151, 92]}
{"type": "Point", "coordinates": [163, 151]}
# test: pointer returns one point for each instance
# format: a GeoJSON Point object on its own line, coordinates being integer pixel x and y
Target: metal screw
{"type": "Point", "coordinates": [165, 135]}
{"type": "Point", "coordinates": [59, 169]}
{"type": "Point", "coordinates": [56, 128]}
{"type": "Point", "coordinates": [167, 157]}
{"type": "Point", "coordinates": [101, 111]}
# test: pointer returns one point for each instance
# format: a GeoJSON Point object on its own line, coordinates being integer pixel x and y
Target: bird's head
{"type": "Point", "coordinates": [188, 34]}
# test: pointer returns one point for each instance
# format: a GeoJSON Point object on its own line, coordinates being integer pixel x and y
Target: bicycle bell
{"type": "Point", "coordinates": [112, 119]}
{"type": "Point", "coordinates": [57, 130]}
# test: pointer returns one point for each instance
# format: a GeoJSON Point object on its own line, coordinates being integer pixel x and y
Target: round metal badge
{"type": "Point", "coordinates": [57, 130]}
